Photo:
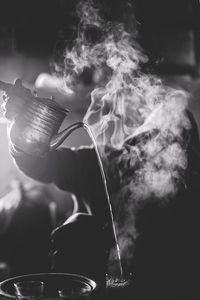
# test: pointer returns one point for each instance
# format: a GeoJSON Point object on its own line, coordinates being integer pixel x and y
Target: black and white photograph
{"type": "Point", "coordinates": [100, 150]}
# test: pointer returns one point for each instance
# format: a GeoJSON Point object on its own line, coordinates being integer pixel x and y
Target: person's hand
{"type": "Point", "coordinates": [14, 100]}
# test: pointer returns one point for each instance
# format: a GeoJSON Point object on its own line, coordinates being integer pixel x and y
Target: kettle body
{"type": "Point", "coordinates": [33, 130]}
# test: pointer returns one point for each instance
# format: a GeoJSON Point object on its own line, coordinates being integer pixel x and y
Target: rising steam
{"type": "Point", "coordinates": [139, 124]}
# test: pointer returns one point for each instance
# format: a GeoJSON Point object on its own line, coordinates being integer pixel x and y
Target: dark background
{"type": "Point", "coordinates": [168, 30]}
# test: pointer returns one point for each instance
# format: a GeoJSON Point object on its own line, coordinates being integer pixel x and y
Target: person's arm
{"type": "Point", "coordinates": [72, 169]}
{"type": "Point", "coordinates": [62, 166]}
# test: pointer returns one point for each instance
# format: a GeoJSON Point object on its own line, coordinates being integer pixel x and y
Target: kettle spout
{"type": "Point", "coordinates": [59, 138]}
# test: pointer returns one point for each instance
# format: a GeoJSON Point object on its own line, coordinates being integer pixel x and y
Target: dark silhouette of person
{"type": "Point", "coordinates": [166, 263]}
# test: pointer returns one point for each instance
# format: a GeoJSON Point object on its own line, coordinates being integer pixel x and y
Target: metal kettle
{"type": "Point", "coordinates": [35, 130]}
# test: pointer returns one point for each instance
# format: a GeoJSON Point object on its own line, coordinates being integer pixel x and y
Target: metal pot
{"type": "Point", "coordinates": [35, 129]}
{"type": "Point", "coordinates": [53, 282]}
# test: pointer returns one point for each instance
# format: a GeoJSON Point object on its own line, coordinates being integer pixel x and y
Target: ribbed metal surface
{"type": "Point", "coordinates": [44, 118]}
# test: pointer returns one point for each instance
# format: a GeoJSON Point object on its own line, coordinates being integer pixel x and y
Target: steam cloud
{"type": "Point", "coordinates": [139, 124]}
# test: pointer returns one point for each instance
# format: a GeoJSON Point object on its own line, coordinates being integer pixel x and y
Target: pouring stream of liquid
{"type": "Point", "coordinates": [86, 127]}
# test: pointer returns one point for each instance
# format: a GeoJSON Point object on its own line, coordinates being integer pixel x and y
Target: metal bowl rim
{"type": "Point", "coordinates": [86, 279]}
